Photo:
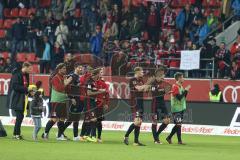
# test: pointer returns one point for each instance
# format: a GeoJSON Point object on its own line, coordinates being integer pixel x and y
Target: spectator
{"type": "Point", "coordinates": [110, 29]}
{"type": "Point", "coordinates": [203, 30]}
{"type": "Point", "coordinates": [57, 10]}
{"type": "Point", "coordinates": [58, 55]}
{"type": "Point", "coordinates": [174, 58]}
{"type": "Point", "coordinates": [189, 45]}
{"type": "Point", "coordinates": [2, 65]}
{"type": "Point", "coordinates": [169, 17]}
{"type": "Point", "coordinates": [61, 33]}
{"type": "Point", "coordinates": [183, 21]}
{"type": "Point", "coordinates": [237, 55]}
{"type": "Point", "coordinates": [116, 14]}
{"type": "Point", "coordinates": [33, 4]}
{"type": "Point", "coordinates": [33, 27]}
{"type": "Point", "coordinates": [153, 24]}
{"type": "Point", "coordinates": [8, 66]}
{"type": "Point", "coordinates": [69, 7]}
{"type": "Point", "coordinates": [236, 8]}
{"type": "Point", "coordinates": [45, 61]}
{"type": "Point", "coordinates": [212, 21]}
{"type": "Point", "coordinates": [104, 6]}
{"type": "Point", "coordinates": [111, 48]}
{"type": "Point", "coordinates": [223, 61]}
{"type": "Point", "coordinates": [18, 33]}
{"type": "Point", "coordinates": [135, 27]}
{"type": "Point", "coordinates": [160, 53]}
{"type": "Point", "coordinates": [50, 26]}
{"type": "Point", "coordinates": [124, 31]}
{"type": "Point", "coordinates": [93, 19]}
{"type": "Point", "coordinates": [1, 9]}
{"type": "Point", "coordinates": [96, 41]}
{"type": "Point", "coordinates": [234, 48]}
{"type": "Point", "coordinates": [235, 71]}
{"type": "Point", "coordinates": [126, 14]}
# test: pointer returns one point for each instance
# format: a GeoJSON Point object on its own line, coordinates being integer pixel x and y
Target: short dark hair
{"type": "Point", "coordinates": [161, 68]}
{"type": "Point", "coordinates": [77, 65]}
{"type": "Point", "coordinates": [60, 66]}
{"type": "Point", "coordinates": [96, 71]}
{"type": "Point", "coordinates": [26, 64]}
{"type": "Point", "coordinates": [178, 75]}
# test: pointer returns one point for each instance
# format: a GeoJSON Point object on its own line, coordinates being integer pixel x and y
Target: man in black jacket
{"type": "Point", "coordinates": [18, 89]}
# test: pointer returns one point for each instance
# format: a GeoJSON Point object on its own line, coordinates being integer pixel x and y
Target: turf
{"type": "Point", "coordinates": [197, 148]}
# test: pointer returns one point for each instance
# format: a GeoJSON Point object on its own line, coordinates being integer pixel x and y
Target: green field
{"type": "Point", "coordinates": [197, 148]}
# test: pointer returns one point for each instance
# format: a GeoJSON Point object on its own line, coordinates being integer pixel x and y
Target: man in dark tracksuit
{"type": "Point", "coordinates": [18, 90]}
{"type": "Point", "coordinates": [75, 110]}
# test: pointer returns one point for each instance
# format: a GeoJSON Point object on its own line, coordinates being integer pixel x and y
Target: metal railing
{"type": "Point", "coordinates": [150, 67]}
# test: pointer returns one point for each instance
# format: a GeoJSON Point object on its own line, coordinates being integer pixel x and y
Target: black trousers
{"type": "Point", "coordinates": [18, 123]}
{"type": "Point", "coordinates": [44, 66]}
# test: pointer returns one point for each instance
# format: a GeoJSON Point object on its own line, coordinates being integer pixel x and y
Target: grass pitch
{"type": "Point", "coordinates": [197, 148]}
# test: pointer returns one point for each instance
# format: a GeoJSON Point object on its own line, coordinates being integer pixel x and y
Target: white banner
{"type": "Point", "coordinates": [190, 60]}
{"type": "Point", "coordinates": [146, 127]}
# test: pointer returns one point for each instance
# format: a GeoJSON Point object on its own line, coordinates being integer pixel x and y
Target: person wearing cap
{"type": "Point", "coordinates": [36, 109]}
{"type": "Point", "coordinates": [215, 95]}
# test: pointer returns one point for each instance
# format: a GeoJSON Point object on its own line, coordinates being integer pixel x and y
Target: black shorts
{"type": "Point", "coordinates": [178, 117]}
{"type": "Point", "coordinates": [58, 110]}
{"type": "Point", "coordinates": [137, 109]}
{"type": "Point", "coordinates": [159, 110]}
{"type": "Point", "coordinates": [99, 112]}
{"type": "Point", "coordinates": [75, 111]}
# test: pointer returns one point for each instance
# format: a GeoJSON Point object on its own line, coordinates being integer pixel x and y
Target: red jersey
{"type": "Point", "coordinates": [83, 81]}
{"type": "Point", "coordinates": [102, 99]}
{"type": "Point", "coordinates": [58, 83]}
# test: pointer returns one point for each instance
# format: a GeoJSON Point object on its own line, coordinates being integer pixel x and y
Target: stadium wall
{"type": "Point", "coordinates": [119, 88]}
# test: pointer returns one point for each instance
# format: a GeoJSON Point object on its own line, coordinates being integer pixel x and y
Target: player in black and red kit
{"type": "Point", "coordinates": [137, 89]}
{"type": "Point", "coordinates": [159, 110]}
{"type": "Point", "coordinates": [91, 107]}
{"type": "Point", "coordinates": [102, 103]}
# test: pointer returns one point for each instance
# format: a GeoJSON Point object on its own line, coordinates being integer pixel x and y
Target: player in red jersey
{"type": "Point", "coordinates": [102, 104]}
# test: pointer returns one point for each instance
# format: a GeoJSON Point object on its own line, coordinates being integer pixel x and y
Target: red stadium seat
{"type": "Point", "coordinates": [217, 13]}
{"type": "Point", "coordinates": [45, 3]}
{"type": "Point", "coordinates": [77, 57]}
{"type": "Point", "coordinates": [1, 23]}
{"type": "Point", "coordinates": [77, 13]}
{"type": "Point", "coordinates": [35, 68]}
{"type": "Point", "coordinates": [204, 3]}
{"type": "Point", "coordinates": [21, 57]}
{"type": "Point", "coordinates": [14, 12]}
{"type": "Point", "coordinates": [126, 3]}
{"type": "Point", "coordinates": [2, 33]}
{"type": "Point", "coordinates": [5, 55]}
{"type": "Point", "coordinates": [7, 13]}
{"type": "Point", "coordinates": [31, 57]}
{"type": "Point", "coordinates": [107, 71]}
{"type": "Point", "coordinates": [23, 12]}
{"type": "Point", "coordinates": [7, 24]}
{"type": "Point", "coordinates": [31, 11]}
{"type": "Point", "coordinates": [87, 59]}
